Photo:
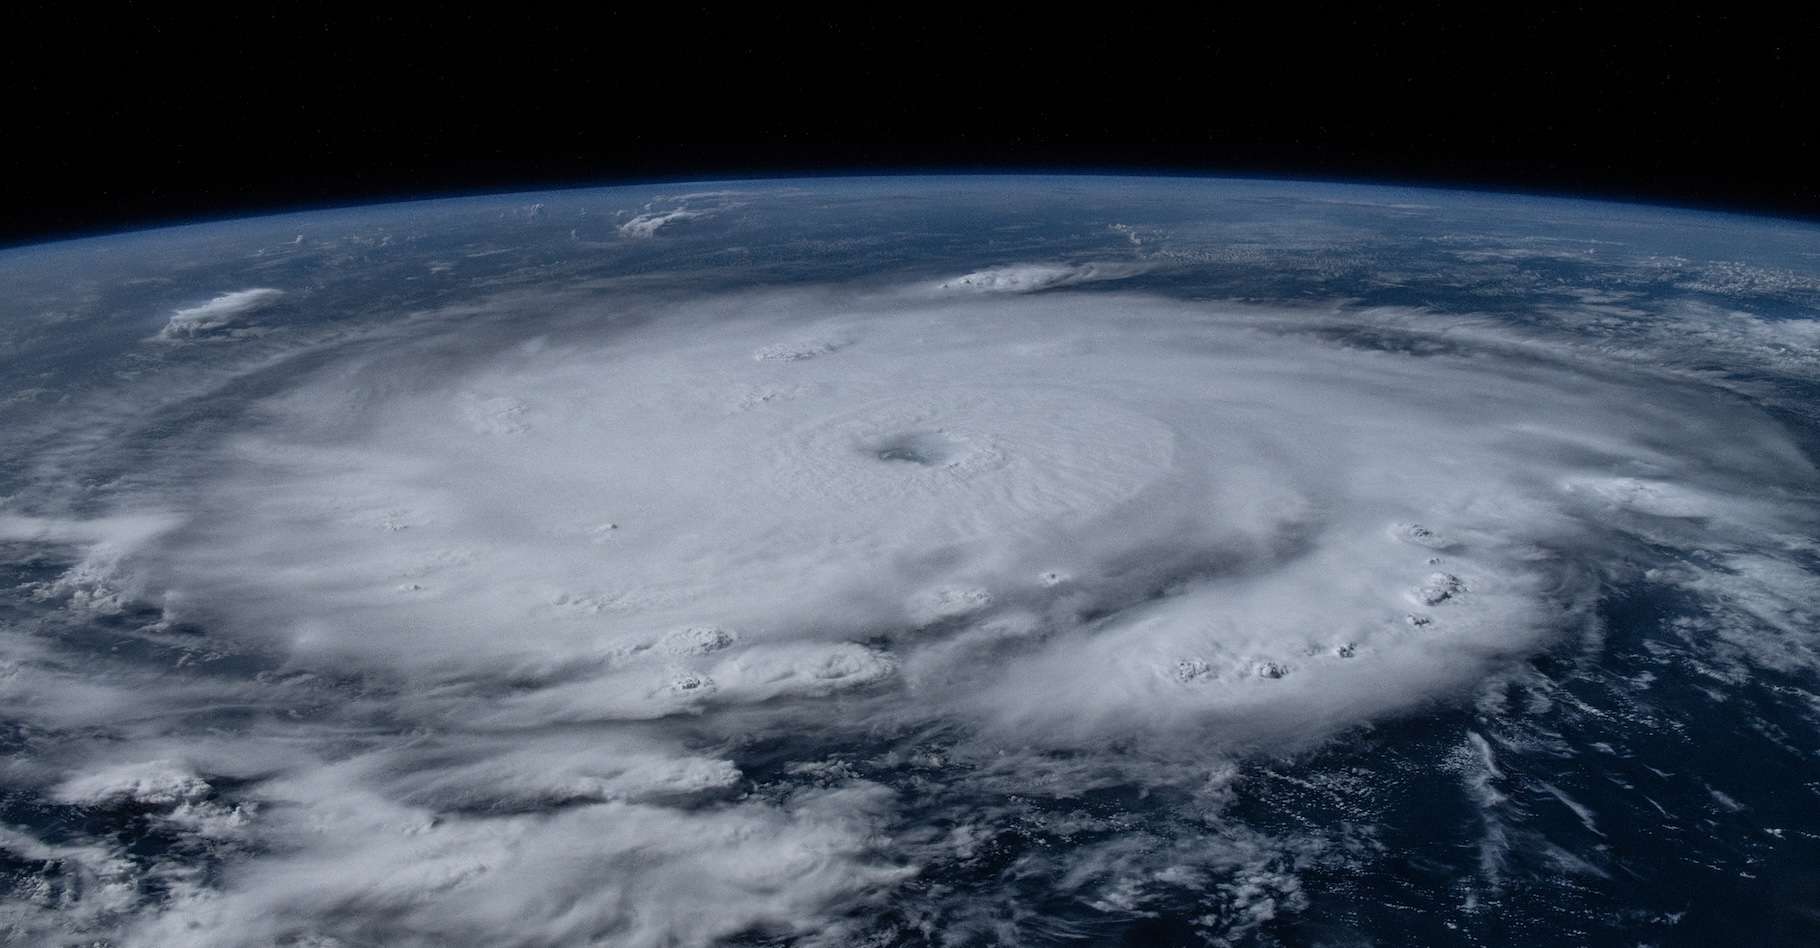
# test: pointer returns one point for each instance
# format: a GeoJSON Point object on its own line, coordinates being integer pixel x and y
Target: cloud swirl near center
{"type": "Point", "coordinates": [537, 612]}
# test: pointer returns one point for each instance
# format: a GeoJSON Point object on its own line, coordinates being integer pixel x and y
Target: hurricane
{"type": "Point", "coordinates": [913, 562]}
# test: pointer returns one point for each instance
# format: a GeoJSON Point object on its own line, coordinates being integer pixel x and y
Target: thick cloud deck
{"type": "Point", "coordinates": [538, 597]}
{"type": "Point", "coordinates": [1251, 520]}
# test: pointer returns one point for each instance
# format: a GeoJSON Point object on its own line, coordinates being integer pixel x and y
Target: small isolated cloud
{"type": "Point", "coordinates": [222, 311]}
{"type": "Point", "coordinates": [649, 223]}
{"type": "Point", "coordinates": [661, 212]}
{"type": "Point", "coordinates": [1033, 277]}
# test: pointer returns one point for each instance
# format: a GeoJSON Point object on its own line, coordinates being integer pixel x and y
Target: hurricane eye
{"type": "Point", "coordinates": [923, 448]}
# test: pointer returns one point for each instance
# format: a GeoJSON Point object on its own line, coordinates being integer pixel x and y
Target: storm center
{"type": "Point", "coordinates": [923, 448]}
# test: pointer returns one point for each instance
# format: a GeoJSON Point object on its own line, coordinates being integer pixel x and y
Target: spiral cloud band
{"type": "Point", "coordinates": [590, 614]}
{"type": "Point", "coordinates": [1170, 514]}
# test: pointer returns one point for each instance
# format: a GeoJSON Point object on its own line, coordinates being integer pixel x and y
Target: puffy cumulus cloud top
{"type": "Point", "coordinates": [219, 313]}
{"type": "Point", "coordinates": [564, 608]}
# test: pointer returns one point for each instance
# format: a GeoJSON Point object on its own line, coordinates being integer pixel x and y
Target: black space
{"type": "Point", "coordinates": [118, 118]}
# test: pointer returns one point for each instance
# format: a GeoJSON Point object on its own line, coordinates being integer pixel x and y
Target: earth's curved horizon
{"type": "Point", "coordinates": [526, 195]}
{"type": "Point", "coordinates": [915, 561]}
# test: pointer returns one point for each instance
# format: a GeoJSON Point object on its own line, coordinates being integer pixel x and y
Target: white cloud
{"type": "Point", "coordinates": [221, 312]}
{"type": "Point", "coordinates": [371, 871]}
{"type": "Point", "coordinates": [662, 212]}
{"type": "Point", "coordinates": [153, 782]}
{"type": "Point", "coordinates": [649, 223]}
{"type": "Point", "coordinates": [512, 620]}
{"type": "Point", "coordinates": [1033, 277]}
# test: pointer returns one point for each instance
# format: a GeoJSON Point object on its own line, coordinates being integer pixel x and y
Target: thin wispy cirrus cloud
{"type": "Point", "coordinates": [662, 212]}
{"type": "Point", "coordinates": [1036, 277]}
